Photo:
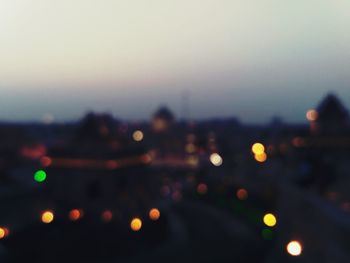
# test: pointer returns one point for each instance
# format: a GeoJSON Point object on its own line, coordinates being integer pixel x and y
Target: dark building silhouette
{"type": "Point", "coordinates": [96, 127]}
{"type": "Point", "coordinates": [333, 117]}
{"type": "Point", "coordinates": [162, 119]}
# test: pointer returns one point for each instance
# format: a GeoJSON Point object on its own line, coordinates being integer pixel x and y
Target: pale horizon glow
{"type": "Point", "coordinates": [250, 59]}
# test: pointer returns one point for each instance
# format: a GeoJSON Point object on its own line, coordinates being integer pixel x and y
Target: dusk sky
{"type": "Point", "coordinates": [251, 59]}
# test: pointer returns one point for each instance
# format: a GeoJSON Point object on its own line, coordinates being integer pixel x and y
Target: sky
{"type": "Point", "coordinates": [253, 59]}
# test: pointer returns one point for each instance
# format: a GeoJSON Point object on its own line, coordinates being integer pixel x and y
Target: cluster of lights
{"type": "Point", "coordinates": [294, 248]}
{"type": "Point", "coordinates": [48, 217]}
{"type": "Point", "coordinates": [258, 150]}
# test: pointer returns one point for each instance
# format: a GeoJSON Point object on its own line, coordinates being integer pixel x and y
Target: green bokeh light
{"type": "Point", "coordinates": [40, 176]}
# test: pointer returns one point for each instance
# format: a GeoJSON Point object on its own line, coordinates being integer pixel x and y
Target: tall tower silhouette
{"type": "Point", "coordinates": [185, 105]}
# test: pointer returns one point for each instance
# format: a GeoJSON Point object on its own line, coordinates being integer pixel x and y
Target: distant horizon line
{"type": "Point", "coordinates": [277, 119]}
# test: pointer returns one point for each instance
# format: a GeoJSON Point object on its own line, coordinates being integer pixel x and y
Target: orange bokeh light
{"type": "Point", "coordinates": [311, 115]}
{"type": "Point", "coordinates": [4, 232]}
{"type": "Point", "coordinates": [154, 214]}
{"type": "Point", "coordinates": [75, 214]}
{"type": "Point", "coordinates": [260, 157]}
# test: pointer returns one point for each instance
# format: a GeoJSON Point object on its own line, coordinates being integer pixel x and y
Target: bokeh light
{"type": "Point", "coordinates": [45, 161]}
{"type": "Point", "coordinates": [75, 214]}
{"type": "Point", "coordinates": [40, 176]}
{"type": "Point", "coordinates": [202, 188]}
{"type": "Point", "coordinates": [47, 217]}
{"type": "Point", "coordinates": [138, 136]}
{"type": "Point", "coordinates": [136, 224]}
{"type": "Point", "coordinates": [258, 148]}
{"type": "Point", "coordinates": [260, 157]}
{"type": "Point", "coordinates": [192, 161]}
{"type": "Point", "coordinates": [294, 248]}
{"type": "Point", "coordinates": [270, 220]}
{"type": "Point", "coordinates": [311, 115]}
{"type": "Point", "coordinates": [4, 232]}
{"type": "Point", "coordinates": [107, 216]}
{"type": "Point", "coordinates": [154, 214]}
{"type": "Point", "coordinates": [242, 194]}
{"type": "Point", "coordinates": [146, 158]}
{"type": "Point", "coordinates": [216, 159]}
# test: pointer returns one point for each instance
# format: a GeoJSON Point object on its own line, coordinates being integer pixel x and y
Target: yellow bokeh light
{"type": "Point", "coordinates": [270, 220]}
{"type": "Point", "coordinates": [260, 157]}
{"type": "Point", "coordinates": [136, 224]}
{"type": "Point", "coordinates": [3, 232]}
{"type": "Point", "coordinates": [216, 159]}
{"type": "Point", "coordinates": [311, 115]}
{"type": "Point", "coordinates": [47, 217]}
{"type": "Point", "coordinates": [258, 148]}
{"type": "Point", "coordinates": [294, 248]}
{"type": "Point", "coordinates": [138, 135]}
{"type": "Point", "coordinates": [154, 214]}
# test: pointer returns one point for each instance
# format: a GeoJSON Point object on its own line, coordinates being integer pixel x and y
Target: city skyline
{"type": "Point", "coordinates": [234, 59]}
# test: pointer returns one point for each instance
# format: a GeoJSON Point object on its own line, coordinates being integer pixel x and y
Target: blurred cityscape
{"type": "Point", "coordinates": [177, 190]}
